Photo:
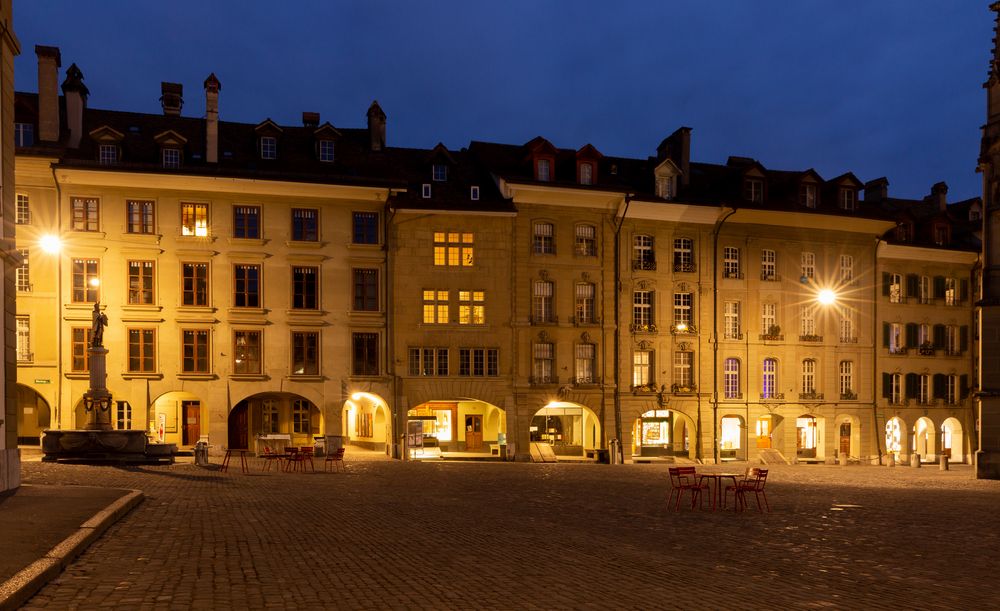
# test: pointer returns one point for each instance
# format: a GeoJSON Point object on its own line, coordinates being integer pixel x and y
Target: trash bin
{"type": "Point", "coordinates": [319, 445]}
{"type": "Point", "coordinates": [201, 454]}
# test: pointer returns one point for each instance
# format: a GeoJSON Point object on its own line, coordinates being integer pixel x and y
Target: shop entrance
{"type": "Point", "coordinates": [845, 438]}
{"type": "Point", "coordinates": [809, 437]}
{"type": "Point", "coordinates": [662, 432]}
{"type": "Point", "coordinates": [275, 420]}
{"type": "Point", "coordinates": [473, 432]}
{"type": "Point", "coordinates": [731, 431]}
{"type": "Point", "coordinates": [192, 422]}
{"type": "Point", "coordinates": [765, 426]}
{"type": "Point", "coordinates": [569, 428]}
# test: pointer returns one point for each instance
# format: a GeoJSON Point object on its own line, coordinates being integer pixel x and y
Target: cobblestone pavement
{"type": "Point", "coordinates": [531, 536]}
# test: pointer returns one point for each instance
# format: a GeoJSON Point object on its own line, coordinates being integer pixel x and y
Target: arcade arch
{"type": "Point", "coordinates": [570, 429]}
{"type": "Point", "coordinates": [952, 444]}
{"type": "Point", "coordinates": [923, 440]}
{"type": "Point", "coordinates": [732, 437]}
{"type": "Point", "coordinates": [810, 432]}
{"type": "Point", "coordinates": [461, 425]}
{"type": "Point", "coordinates": [33, 415]}
{"type": "Point", "coordinates": [275, 420]}
{"type": "Point", "coordinates": [181, 415]}
{"type": "Point", "coordinates": [366, 421]}
{"type": "Point", "coordinates": [663, 432]}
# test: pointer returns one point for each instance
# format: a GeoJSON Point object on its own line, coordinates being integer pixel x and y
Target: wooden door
{"type": "Point", "coordinates": [473, 432]}
{"type": "Point", "coordinates": [764, 432]}
{"type": "Point", "coordinates": [239, 428]}
{"type": "Point", "coordinates": [191, 411]}
{"type": "Point", "coordinates": [845, 439]}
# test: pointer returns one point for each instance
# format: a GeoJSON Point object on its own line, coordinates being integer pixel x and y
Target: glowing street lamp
{"type": "Point", "coordinates": [50, 244]}
{"type": "Point", "coordinates": [826, 297]}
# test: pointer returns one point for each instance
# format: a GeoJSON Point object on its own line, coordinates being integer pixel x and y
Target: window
{"type": "Point", "coordinates": [848, 198]}
{"type": "Point", "coordinates": [731, 379]}
{"type": "Point", "coordinates": [23, 215]}
{"type": "Point", "coordinates": [952, 389]}
{"type": "Point", "coordinates": [541, 301]}
{"type": "Point", "coordinates": [326, 151]}
{"type": "Point", "coordinates": [194, 219]}
{"type": "Point", "coordinates": [847, 326]}
{"type": "Point", "coordinates": [365, 228]}
{"type": "Point", "coordinates": [809, 377]}
{"type": "Point", "coordinates": [584, 303]}
{"type": "Point", "coordinates": [846, 269]}
{"type": "Point", "coordinates": [893, 287]}
{"type": "Point", "coordinates": [107, 154]}
{"type": "Point", "coordinates": [584, 364]}
{"type": "Point", "coordinates": [439, 172]}
{"type": "Point", "coordinates": [366, 290]}
{"type": "Point", "coordinates": [586, 241]}
{"type": "Point", "coordinates": [435, 307]}
{"type": "Point", "coordinates": [365, 354]}
{"type": "Point", "coordinates": [731, 320]}
{"type": "Point", "coordinates": [643, 255]}
{"type": "Point", "coordinates": [300, 416]}
{"type": "Point", "coordinates": [543, 239]}
{"type": "Point", "coordinates": [768, 265]}
{"type": "Point", "coordinates": [474, 193]}
{"type": "Point", "coordinates": [123, 415]}
{"type": "Point", "coordinates": [682, 312]}
{"type": "Point", "coordinates": [80, 349]}
{"type": "Point", "coordinates": [425, 191]}
{"type": "Point", "coordinates": [141, 216]}
{"type": "Point", "coordinates": [941, 235]}
{"type": "Point", "coordinates": [305, 353]}
{"type": "Point", "coordinates": [196, 351]}
{"type": "Point", "coordinates": [543, 170]}
{"type": "Point", "coordinates": [471, 308]}
{"type": "Point", "coordinates": [86, 280]}
{"type": "Point", "coordinates": [769, 382]}
{"type": "Point", "coordinates": [769, 319]}
{"type": "Point", "coordinates": [924, 338]}
{"type": "Point", "coordinates": [142, 350]}
{"type": "Point", "coordinates": [731, 262]}
{"type": "Point", "coordinates": [305, 287]}
{"type": "Point", "coordinates": [24, 134]}
{"type": "Point", "coordinates": [642, 311]}
{"type": "Point", "coordinates": [807, 195]}
{"type": "Point", "coordinates": [246, 352]}
{"type": "Point", "coordinates": [478, 361]}
{"type": "Point", "coordinates": [171, 158]}
{"type": "Point", "coordinates": [305, 225]}
{"type": "Point", "coordinates": [683, 255]}
{"type": "Point", "coordinates": [924, 389]}
{"type": "Point", "coordinates": [24, 339]}
{"type": "Point", "coordinates": [952, 340]}
{"type": "Point", "coordinates": [246, 286]}
{"type": "Point", "coordinates": [268, 147]}
{"type": "Point", "coordinates": [894, 392]}
{"type": "Point", "coordinates": [808, 318]}
{"type": "Point", "coordinates": [23, 273]}
{"type": "Point", "coordinates": [194, 284]}
{"type": "Point", "coordinates": [269, 416]}
{"type": "Point", "coordinates": [542, 363]}
{"type": "Point", "coordinates": [753, 190]}
{"type": "Point", "coordinates": [246, 222]}
{"type": "Point", "coordinates": [847, 380]}
{"type": "Point", "coordinates": [642, 369]}
{"type": "Point", "coordinates": [950, 291]}
{"type": "Point", "coordinates": [683, 361]}
{"type": "Point", "coordinates": [86, 215]}
{"type": "Point", "coordinates": [586, 174]}
{"type": "Point", "coordinates": [665, 187]}
{"type": "Point", "coordinates": [140, 282]}
{"type": "Point", "coordinates": [895, 339]}
{"type": "Point", "coordinates": [453, 249]}
{"type": "Point", "coordinates": [808, 265]}
{"type": "Point", "coordinates": [926, 296]}
{"type": "Point", "coordinates": [428, 361]}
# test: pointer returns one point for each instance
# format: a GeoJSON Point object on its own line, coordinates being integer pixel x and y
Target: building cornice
{"type": "Point", "coordinates": [920, 253]}
{"type": "Point", "coordinates": [547, 195]}
{"type": "Point", "coordinates": [802, 220]}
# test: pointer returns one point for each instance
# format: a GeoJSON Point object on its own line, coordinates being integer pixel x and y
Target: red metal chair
{"type": "Point", "coordinates": [335, 458]}
{"type": "Point", "coordinates": [292, 459]}
{"type": "Point", "coordinates": [269, 456]}
{"type": "Point", "coordinates": [306, 455]}
{"type": "Point", "coordinates": [754, 482]}
{"type": "Point", "coordinates": [750, 473]}
{"type": "Point", "coordinates": [681, 479]}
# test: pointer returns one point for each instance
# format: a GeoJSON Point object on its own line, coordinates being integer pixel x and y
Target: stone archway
{"type": "Point", "coordinates": [183, 416]}
{"type": "Point", "coordinates": [952, 440]}
{"type": "Point", "coordinates": [732, 437]}
{"type": "Point", "coordinates": [275, 420]}
{"type": "Point", "coordinates": [663, 432]}
{"type": "Point", "coordinates": [33, 415]}
{"type": "Point", "coordinates": [570, 429]}
{"type": "Point", "coordinates": [465, 425]}
{"type": "Point", "coordinates": [366, 421]}
{"type": "Point", "coordinates": [896, 437]}
{"type": "Point", "coordinates": [924, 440]}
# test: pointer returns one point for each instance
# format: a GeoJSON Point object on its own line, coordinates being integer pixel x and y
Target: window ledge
{"type": "Point", "coordinates": [141, 238]}
{"type": "Point", "coordinates": [197, 376]}
{"type": "Point", "coordinates": [248, 377]}
{"type": "Point", "coordinates": [90, 234]}
{"type": "Point", "coordinates": [306, 313]}
{"type": "Point", "coordinates": [196, 238]}
{"type": "Point", "coordinates": [305, 378]}
{"type": "Point", "coordinates": [360, 246]}
{"type": "Point", "coordinates": [234, 241]}
{"type": "Point", "coordinates": [248, 311]}
{"type": "Point", "coordinates": [310, 244]}
{"type": "Point", "coordinates": [196, 310]}
{"type": "Point", "coordinates": [77, 375]}
{"type": "Point", "coordinates": [142, 308]}
{"type": "Point", "coordinates": [133, 375]}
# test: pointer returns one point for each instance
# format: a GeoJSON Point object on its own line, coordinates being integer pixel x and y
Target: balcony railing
{"type": "Point", "coordinates": [545, 320]}
{"type": "Point", "coordinates": [650, 387]}
{"type": "Point", "coordinates": [543, 380]}
{"type": "Point", "coordinates": [644, 264]}
{"type": "Point", "coordinates": [686, 268]}
{"type": "Point", "coordinates": [810, 396]}
{"type": "Point", "coordinates": [897, 349]}
{"type": "Point", "coordinates": [688, 329]}
{"type": "Point", "coordinates": [769, 277]}
{"type": "Point", "coordinates": [849, 396]}
{"type": "Point", "coordinates": [810, 338]}
{"type": "Point", "coordinates": [848, 340]}
{"type": "Point", "coordinates": [772, 396]}
{"type": "Point", "coordinates": [926, 350]}
{"type": "Point", "coordinates": [679, 389]}
{"type": "Point", "coordinates": [736, 336]}
{"type": "Point", "coordinates": [769, 337]}
{"type": "Point", "coordinates": [585, 381]}
{"type": "Point", "coordinates": [642, 327]}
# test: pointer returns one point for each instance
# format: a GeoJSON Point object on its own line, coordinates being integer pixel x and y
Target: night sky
{"type": "Point", "coordinates": [885, 88]}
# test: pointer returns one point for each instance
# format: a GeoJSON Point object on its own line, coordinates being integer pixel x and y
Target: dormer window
{"type": "Point", "coordinates": [326, 151]}
{"type": "Point", "coordinates": [426, 191]}
{"type": "Point", "coordinates": [903, 232]}
{"type": "Point", "coordinates": [848, 199]}
{"type": "Point", "coordinates": [941, 237]}
{"type": "Point", "coordinates": [665, 187]}
{"type": "Point", "coordinates": [107, 154]}
{"type": "Point", "coordinates": [171, 158]}
{"type": "Point", "coordinates": [586, 173]}
{"type": "Point", "coordinates": [24, 134]}
{"type": "Point", "coordinates": [753, 190]}
{"type": "Point", "coordinates": [807, 195]}
{"type": "Point", "coordinates": [474, 193]}
{"type": "Point", "coordinates": [543, 170]}
{"type": "Point", "coordinates": [268, 147]}
{"type": "Point", "coordinates": [439, 172]}
{"type": "Point", "coordinates": [974, 214]}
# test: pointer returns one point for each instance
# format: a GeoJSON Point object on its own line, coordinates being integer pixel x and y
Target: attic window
{"type": "Point", "coordinates": [133, 129]}
{"type": "Point", "coordinates": [268, 147]}
{"type": "Point", "coordinates": [426, 191]}
{"type": "Point", "coordinates": [941, 237]}
{"type": "Point", "coordinates": [848, 198]}
{"type": "Point", "coordinates": [474, 193]}
{"type": "Point", "coordinates": [439, 172]}
{"type": "Point", "coordinates": [543, 170]}
{"type": "Point", "coordinates": [753, 190]}
{"type": "Point", "coordinates": [24, 134]}
{"type": "Point", "coordinates": [807, 195]}
{"type": "Point", "coordinates": [107, 154]}
{"type": "Point", "coordinates": [171, 158]}
{"type": "Point", "coordinates": [903, 232]}
{"type": "Point", "coordinates": [586, 173]}
{"type": "Point", "coordinates": [665, 187]}
{"type": "Point", "coordinates": [974, 214]}
{"type": "Point", "coordinates": [326, 150]}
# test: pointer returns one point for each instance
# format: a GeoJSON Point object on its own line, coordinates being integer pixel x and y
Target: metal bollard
{"type": "Point", "coordinates": [915, 460]}
{"type": "Point", "coordinates": [943, 462]}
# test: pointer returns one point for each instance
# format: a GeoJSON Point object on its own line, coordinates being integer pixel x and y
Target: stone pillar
{"type": "Point", "coordinates": [97, 400]}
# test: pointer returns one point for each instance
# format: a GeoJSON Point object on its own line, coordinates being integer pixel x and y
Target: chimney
{"type": "Point", "coordinates": [939, 194]}
{"type": "Point", "coordinates": [376, 126]}
{"type": "Point", "coordinates": [172, 98]}
{"type": "Point", "coordinates": [877, 190]}
{"type": "Point", "coordinates": [49, 62]}
{"type": "Point", "coordinates": [212, 89]}
{"type": "Point", "coordinates": [76, 94]}
{"type": "Point", "coordinates": [310, 119]}
{"type": "Point", "coordinates": [677, 148]}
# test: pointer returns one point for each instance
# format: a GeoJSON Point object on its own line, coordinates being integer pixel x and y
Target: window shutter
{"type": "Point", "coordinates": [912, 285]}
{"type": "Point", "coordinates": [886, 385]}
{"type": "Point", "coordinates": [938, 287]}
{"type": "Point", "coordinates": [939, 337]}
{"type": "Point", "coordinates": [963, 386]}
{"type": "Point", "coordinates": [963, 338]}
{"type": "Point", "coordinates": [886, 280]}
{"type": "Point", "coordinates": [885, 334]}
{"type": "Point", "coordinates": [963, 290]}
{"type": "Point", "coordinates": [940, 385]}
{"type": "Point", "coordinates": [912, 385]}
{"type": "Point", "coordinates": [911, 335]}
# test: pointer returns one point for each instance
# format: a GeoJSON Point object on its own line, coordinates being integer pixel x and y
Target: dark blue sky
{"type": "Point", "coordinates": [887, 88]}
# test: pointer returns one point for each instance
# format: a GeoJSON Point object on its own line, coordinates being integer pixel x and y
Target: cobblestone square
{"type": "Point", "coordinates": [500, 535]}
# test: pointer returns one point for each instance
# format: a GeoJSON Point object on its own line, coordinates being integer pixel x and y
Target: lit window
{"type": "Point", "coordinates": [731, 379]}
{"type": "Point", "coordinates": [893, 287]}
{"type": "Point", "coordinates": [439, 172]}
{"type": "Point", "coordinates": [86, 213]}
{"type": "Point", "coordinates": [141, 216]}
{"type": "Point", "coordinates": [950, 291]}
{"type": "Point", "coordinates": [453, 249]}
{"type": "Point", "coordinates": [171, 158]}
{"type": "Point", "coordinates": [142, 350]}
{"type": "Point", "coordinates": [586, 241]}
{"type": "Point", "coordinates": [24, 339]}
{"type": "Point", "coordinates": [86, 280]}
{"type": "Point", "coordinates": [194, 219]}
{"type": "Point", "coordinates": [543, 239]}
{"type": "Point", "coordinates": [195, 356]}
{"type": "Point", "coordinates": [435, 307]}
{"type": "Point", "coordinates": [268, 147]}
{"type": "Point", "coordinates": [247, 352]}
{"type": "Point", "coordinates": [326, 150]}
{"type": "Point", "coordinates": [682, 312]}
{"type": "Point", "coordinates": [23, 273]}
{"type": "Point", "coordinates": [642, 311]}
{"type": "Point", "coordinates": [471, 308]}
{"type": "Point", "coordinates": [642, 368]}
{"type": "Point", "coordinates": [23, 209]}
{"type": "Point", "coordinates": [140, 282]}
{"type": "Point", "coordinates": [305, 353]}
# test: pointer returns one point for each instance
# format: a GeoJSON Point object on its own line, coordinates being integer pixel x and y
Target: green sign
{"type": "Point", "coordinates": [42, 381]}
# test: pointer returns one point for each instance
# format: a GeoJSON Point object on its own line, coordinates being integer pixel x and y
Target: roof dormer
{"type": "Point", "coordinates": [754, 183]}
{"type": "Point", "coordinates": [845, 190]}
{"type": "Point", "coordinates": [587, 159]}
{"type": "Point", "coordinates": [325, 136]}
{"type": "Point", "coordinates": [171, 148]}
{"type": "Point", "coordinates": [108, 141]}
{"type": "Point", "coordinates": [543, 159]}
{"type": "Point", "coordinates": [268, 133]}
{"type": "Point", "coordinates": [440, 160]}
{"type": "Point", "coordinates": [809, 184]}
{"type": "Point", "coordinates": [666, 176]}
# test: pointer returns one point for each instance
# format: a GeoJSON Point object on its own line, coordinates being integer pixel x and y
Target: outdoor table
{"type": "Point", "coordinates": [718, 477]}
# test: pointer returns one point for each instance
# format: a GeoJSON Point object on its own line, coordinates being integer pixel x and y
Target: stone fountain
{"type": "Point", "coordinates": [99, 440]}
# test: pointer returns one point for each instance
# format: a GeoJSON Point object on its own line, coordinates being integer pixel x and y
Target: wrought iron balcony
{"type": "Point", "coordinates": [545, 320]}
{"type": "Point", "coordinates": [737, 336]}
{"type": "Point", "coordinates": [849, 396]}
{"type": "Point", "coordinates": [773, 396]}
{"type": "Point", "coordinates": [769, 277]}
{"type": "Point", "coordinates": [644, 264]}
{"type": "Point", "coordinates": [650, 387]}
{"type": "Point", "coordinates": [642, 327]}
{"type": "Point", "coordinates": [688, 329]}
{"type": "Point", "coordinates": [848, 340]}
{"type": "Point", "coordinates": [810, 338]}
{"type": "Point", "coordinates": [810, 396]}
{"type": "Point", "coordinates": [897, 349]}
{"type": "Point", "coordinates": [687, 268]}
{"type": "Point", "coordinates": [679, 389]}
{"type": "Point", "coordinates": [926, 349]}
{"type": "Point", "coordinates": [585, 381]}
{"type": "Point", "coordinates": [543, 380]}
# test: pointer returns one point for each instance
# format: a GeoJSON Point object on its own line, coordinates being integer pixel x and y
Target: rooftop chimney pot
{"type": "Point", "coordinates": [49, 62]}
{"type": "Point", "coordinates": [310, 119]}
{"type": "Point", "coordinates": [172, 98]}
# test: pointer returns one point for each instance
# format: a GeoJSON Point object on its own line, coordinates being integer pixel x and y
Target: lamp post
{"type": "Point", "coordinates": [52, 245]}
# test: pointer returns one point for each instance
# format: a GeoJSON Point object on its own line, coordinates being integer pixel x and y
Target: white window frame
{"type": "Point", "coordinates": [268, 147]}
{"type": "Point", "coordinates": [23, 215]}
{"type": "Point", "coordinates": [809, 376]}
{"type": "Point", "coordinates": [808, 260]}
{"type": "Point", "coordinates": [171, 157]}
{"type": "Point", "coordinates": [327, 151]}
{"type": "Point", "coordinates": [731, 379]}
{"type": "Point", "coordinates": [769, 378]}
{"type": "Point", "coordinates": [846, 369]}
{"type": "Point", "coordinates": [731, 262]}
{"type": "Point", "coordinates": [24, 339]}
{"type": "Point", "coordinates": [768, 264]}
{"type": "Point", "coordinates": [768, 317]}
{"type": "Point", "coordinates": [731, 320]}
{"type": "Point", "coordinates": [846, 269]}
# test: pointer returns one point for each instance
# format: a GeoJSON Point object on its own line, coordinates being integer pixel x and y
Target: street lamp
{"type": "Point", "coordinates": [53, 246]}
{"type": "Point", "coordinates": [826, 297]}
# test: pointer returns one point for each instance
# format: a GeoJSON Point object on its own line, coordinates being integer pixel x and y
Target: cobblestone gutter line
{"type": "Point", "coordinates": [22, 586]}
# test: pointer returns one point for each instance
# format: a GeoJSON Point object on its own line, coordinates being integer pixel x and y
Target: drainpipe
{"type": "Point", "coordinates": [715, 333]}
{"type": "Point", "coordinates": [398, 429]}
{"type": "Point", "coordinates": [875, 395]}
{"type": "Point", "coordinates": [59, 326]}
{"type": "Point", "coordinates": [618, 332]}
